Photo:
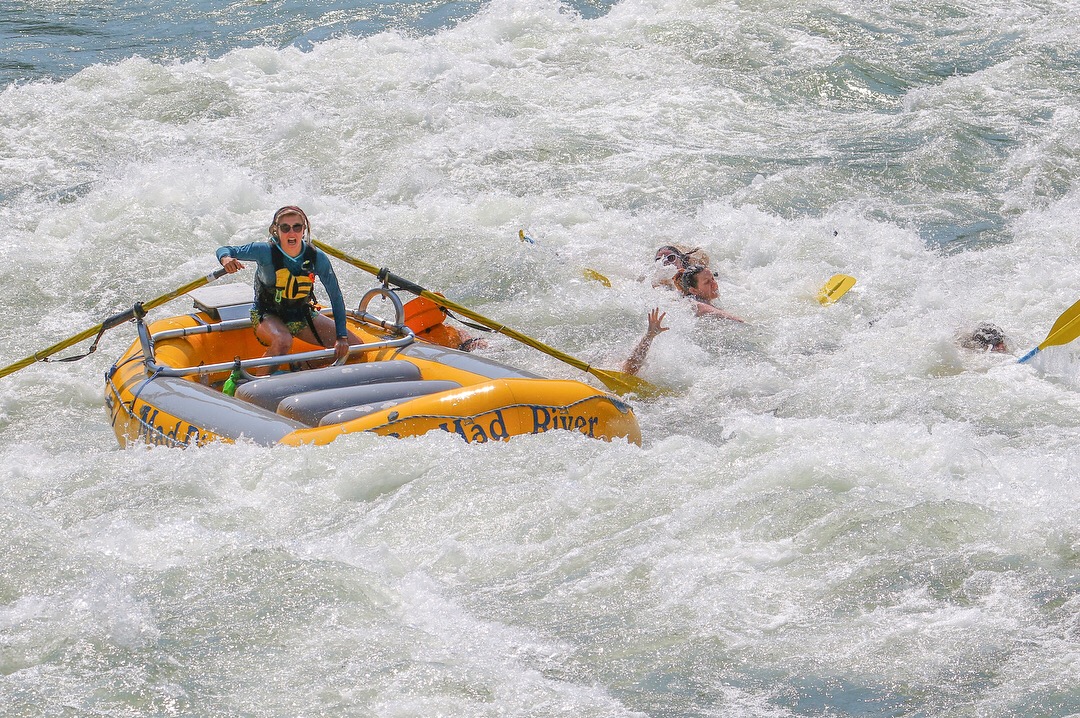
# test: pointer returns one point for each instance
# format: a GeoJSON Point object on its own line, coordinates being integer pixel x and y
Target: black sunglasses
{"type": "Point", "coordinates": [298, 227]}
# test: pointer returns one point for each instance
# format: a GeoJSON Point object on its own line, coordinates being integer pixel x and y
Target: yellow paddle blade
{"type": "Point", "coordinates": [623, 383]}
{"type": "Point", "coordinates": [595, 276]}
{"type": "Point", "coordinates": [1065, 329]}
{"type": "Point", "coordinates": [837, 286]}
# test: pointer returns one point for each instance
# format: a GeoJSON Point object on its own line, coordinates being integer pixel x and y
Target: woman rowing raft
{"type": "Point", "coordinates": [288, 264]}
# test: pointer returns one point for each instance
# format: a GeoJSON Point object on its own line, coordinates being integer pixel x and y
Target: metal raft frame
{"type": "Point", "coordinates": [148, 340]}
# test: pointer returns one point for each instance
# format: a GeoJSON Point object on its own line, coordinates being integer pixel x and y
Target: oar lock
{"type": "Point", "coordinates": [136, 313]}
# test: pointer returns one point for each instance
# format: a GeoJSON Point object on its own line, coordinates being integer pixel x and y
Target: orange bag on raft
{"type": "Point", "coordinates": [428, 322]}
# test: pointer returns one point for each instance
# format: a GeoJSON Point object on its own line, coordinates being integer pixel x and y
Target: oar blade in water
{"type": "Point", "coordinates": [595, 276]}
{"type": "Point", "coordinates": [623, 383]}
{"type": "Point", "coordinates": [836, 287]}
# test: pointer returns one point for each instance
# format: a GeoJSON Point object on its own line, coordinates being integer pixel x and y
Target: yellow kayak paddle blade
{"type": "Point", "coordinates": [595, 276]}
{"type": "Point", "coordinates": [1065, 330]}
{"type": "Point", "coordinates": [837, 286]}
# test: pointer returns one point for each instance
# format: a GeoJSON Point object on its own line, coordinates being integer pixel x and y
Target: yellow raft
{"type": "Point", "coordinates": [167, 387]}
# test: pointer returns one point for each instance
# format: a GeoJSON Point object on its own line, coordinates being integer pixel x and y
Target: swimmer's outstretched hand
{"type": "Point", "coordinates": [656, 319]}
{"type": "Point", "coordinates": [633, 363]}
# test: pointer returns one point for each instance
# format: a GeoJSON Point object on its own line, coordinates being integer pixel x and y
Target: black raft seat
{"type": "Point", "coordinates": [310, 407]}
{"type": "Point", "coordinates": [269, 391]}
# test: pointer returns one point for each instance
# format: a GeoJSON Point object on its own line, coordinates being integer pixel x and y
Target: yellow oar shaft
{"type": "Point", "coordinates": [192, 285]}
{"type": "Point", "coordinates": [45, 353]}
{"type": "Point", "coordinates": [617, 381]}
{"type": "Point", "coordinates": [457, 308]}
{"type": "Point", "coordinates": [108, 324]}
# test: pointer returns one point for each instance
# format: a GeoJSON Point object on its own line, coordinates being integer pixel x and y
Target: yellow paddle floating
{"type": "Point", "coordinates": [837, 286]}
{"type": "Point", "coordinates": [595, 276]}
{"type": "Point", "coordinates": [1065, 329]}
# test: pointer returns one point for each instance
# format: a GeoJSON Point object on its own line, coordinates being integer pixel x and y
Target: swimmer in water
{"type": "Point", "coordinates": [671, 261]}
{"type": "Point", "coordinates": [637, 357]}
{"type": "Point", "coordinates": [985, 337]}
{"type": "Point", "coordinates": [700, 285]}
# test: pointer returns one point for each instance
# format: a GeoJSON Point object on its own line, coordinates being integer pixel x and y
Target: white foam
{"type": "Point", "coordinates": [829, 493]}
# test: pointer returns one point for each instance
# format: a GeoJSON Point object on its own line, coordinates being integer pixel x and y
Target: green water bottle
{"type": "Point", "coordinates": [229, 387]}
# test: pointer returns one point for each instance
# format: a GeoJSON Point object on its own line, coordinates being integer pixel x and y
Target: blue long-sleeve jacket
{"type": "Point", "coordinates": [261, 253]}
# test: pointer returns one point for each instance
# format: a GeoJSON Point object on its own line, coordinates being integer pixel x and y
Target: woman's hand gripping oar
{"type": "Point", "coordinates": [1065, 329]}
{"type": "Point", "coordinates": [113, 321]}
{"type": "Point", "coordinates": [619, 382]}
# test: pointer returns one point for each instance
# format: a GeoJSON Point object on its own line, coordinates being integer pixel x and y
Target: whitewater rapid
{"type": "Point", "coordinates": [834, 511]}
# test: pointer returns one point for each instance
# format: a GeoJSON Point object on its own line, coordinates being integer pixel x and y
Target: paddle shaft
{"type": "Point", "coordinates": [453, 306]}
{"type": "Point", "coordinates": [1029, 355]}
{"type": "Point", "coordinates": [113, 321]}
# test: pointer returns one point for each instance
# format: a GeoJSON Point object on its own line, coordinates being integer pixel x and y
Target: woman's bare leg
{"type": "Point", "coordinates": [275, 335]}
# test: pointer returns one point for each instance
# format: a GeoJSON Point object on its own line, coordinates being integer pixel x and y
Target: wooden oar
{"type": "Point", "coordinates": [617, 381]}
{"type": "Point", "coordinates": [837, 286]}
{"type": "Point", "coordinates": [111, 322]}
{"type": "Point", "coordinates": [1065, 329]}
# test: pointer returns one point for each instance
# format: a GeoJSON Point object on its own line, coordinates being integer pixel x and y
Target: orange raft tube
{"type": "Point", "coordinates": [167, 387]}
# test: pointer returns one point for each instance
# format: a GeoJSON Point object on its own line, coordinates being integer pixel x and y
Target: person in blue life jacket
{"type": "Point", "coordinates": [284, 287]}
